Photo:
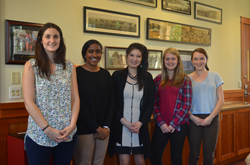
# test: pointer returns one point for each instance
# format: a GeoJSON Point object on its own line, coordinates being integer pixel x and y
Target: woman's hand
{"type": "Point", "coordinates": [165, 129]}
{"type": "Point", "coordinates": [171, 128]}
{"type": "Point", "coordinates": [53, 134]}
{"type": "Point", "coordinates": [198, 121]}
{"type": "Point", "coordinates": [136, 127]}
{"type": "Point", "coordinates": [207, 121]}
{"type": "Point", "coordinates": [102, 133]}
{"type": "Point", "coordinates": [66, 132]}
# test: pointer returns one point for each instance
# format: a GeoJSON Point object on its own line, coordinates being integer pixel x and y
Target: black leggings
{"type": "Point", "coordinates": [160, 140]}
{"type": "Point", "coordinates": [209, 136]}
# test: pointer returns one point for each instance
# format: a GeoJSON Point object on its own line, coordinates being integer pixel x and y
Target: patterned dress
{"type": "Point", "coordinates": [53, 98]}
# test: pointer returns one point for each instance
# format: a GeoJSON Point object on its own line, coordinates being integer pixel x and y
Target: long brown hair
{"type": "Point", "coordinates": [178, 71]}
{"type": "Point", "coordinates": [41, 57]}
{"type": "Point", "coordinates": [201, 50]}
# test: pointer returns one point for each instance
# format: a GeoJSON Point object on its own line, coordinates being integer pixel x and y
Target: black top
{"type": "Point", "coordinates": [146, 109]}
{"type": "Point", "coordinates": [96, 100]}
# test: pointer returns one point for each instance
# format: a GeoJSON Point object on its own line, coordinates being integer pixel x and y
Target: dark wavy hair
{"type": "Point", "coordinates": [41, 57]}
{"type": "Point", "coordinates": [142, 68]}
{"type": "Point", "coordinates": [87, 45]}
{"type": "Point", "coordinates": [201, 50]}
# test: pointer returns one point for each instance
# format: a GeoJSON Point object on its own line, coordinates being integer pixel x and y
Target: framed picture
{"type": "Point", "coordinates": [176, 32]}
{"type": "Point", "coordinates": [102, 21]}
{"type": "Point", "coordinates": [186, 60]}
{"type": "Point", "coordinates": [207, 13]}
{"type": "Point", "coordinates": [115, 58]}
{"type": "Point", "coordinates": [20, 41]}
{"type": "Point", "coordinates": [151, 3]}
{"type": "Point", "coordinates": [181, 6]}
{"type": "Point", "coordinates": [154, 59]}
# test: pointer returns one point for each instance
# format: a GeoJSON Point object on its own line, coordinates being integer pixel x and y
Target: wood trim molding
{"type": "Point", "coordinates": [234, 95]}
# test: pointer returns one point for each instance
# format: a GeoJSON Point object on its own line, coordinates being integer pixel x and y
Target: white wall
{"type": "Point", "coordinates": [224, 53]}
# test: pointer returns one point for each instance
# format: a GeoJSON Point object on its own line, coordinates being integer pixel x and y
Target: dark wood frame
{"type": "Point", "coordinates": [141, 3]}
{"type": "Point", "coordinates": [10, 57]}
{"type": "Point", "coordinates": [118, 32]}
{"type": "Point", "coordinates": [178, 11]}
{"type": "Point", "coordinates": [188, 53]}
{"type": "Point", "coordinates": [160, 61]}
{"type": "Point", "coordinates": [107, 66]}
{"type": "Point", "coordinates": [211, 8]}
{"type": "Point", "coordinates": [206, 37]}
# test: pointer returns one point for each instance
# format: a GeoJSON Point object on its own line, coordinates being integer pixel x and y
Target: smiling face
{"type": "Point", "coordinates": [199, 61]}
{"type": "Point", "coordinates": [171, 61]}
{"type": "Point", "coordinates": [134, 58]}
{"type": "Point", "coordinates": [51, 40]}
{"type": "Point", "coordinates": [93, 55]}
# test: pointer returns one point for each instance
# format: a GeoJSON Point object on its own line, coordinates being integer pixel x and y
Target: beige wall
{"type": "Point", "coordinates": [224, 53]}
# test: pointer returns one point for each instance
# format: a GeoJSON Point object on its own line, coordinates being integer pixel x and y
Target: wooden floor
{"type": "Point", "coordinates": [239, 162]}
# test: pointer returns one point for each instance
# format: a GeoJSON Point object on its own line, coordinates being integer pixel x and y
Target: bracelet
{"type": "Point", "coordinates": [45, 127]}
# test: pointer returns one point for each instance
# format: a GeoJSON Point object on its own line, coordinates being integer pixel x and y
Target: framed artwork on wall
{"type": "Point", "coordinates": [207, 13]}
{"type": "Point", "coordinates": [151, 3]}
{"type": "Point", "coordinates": [181, 6]}
{"type": "Point", "coordinates": [115, 58]}
{"type": "Point", "coordinates": [186, 60]}
{"type": "Point", "coordinates": [175, 32]}
{"type": "Point", "coordinates": [154, 59]}
{"type": "Point", "coordinates": [102, 21]}
{"type": "Point", "coordinates": [20, 41]}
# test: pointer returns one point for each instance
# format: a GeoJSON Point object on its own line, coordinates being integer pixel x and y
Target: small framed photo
{"type": "Point", "coordinates": [186, 60]}
{"type": "Point", "coordinates": [115, 58]}
{"type": "Point", "coordinates": [151, 3]}
{"type": "Point", "coordinates": [108, 22]}
{"type": "Point", "coordinates": [154, 59]}
{"type": "Point", "coordinates": [207, 13]}
{"type": "Point", "coordinates": [176, 32]}
{"type": "Point", "coordinates": [20, 41]}
{"type": "Point", "coordinates": [180, 6]}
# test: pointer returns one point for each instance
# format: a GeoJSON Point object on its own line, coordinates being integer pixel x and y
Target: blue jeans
{"type": "Point", "coordinates": [160, 140]}
{"type": "Point", "coordinates": [40, 155]}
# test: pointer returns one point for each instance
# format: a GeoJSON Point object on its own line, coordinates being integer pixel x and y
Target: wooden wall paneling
{"type": "Point", "coordinates": [234, 95]}
{"type": "Point", "coordinates": [242, 131]}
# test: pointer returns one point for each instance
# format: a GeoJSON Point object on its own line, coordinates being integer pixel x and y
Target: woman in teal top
{"type": "Point", "coordinates": [51, 99]}
{"type": "Point", "coordinates": [207, 102]}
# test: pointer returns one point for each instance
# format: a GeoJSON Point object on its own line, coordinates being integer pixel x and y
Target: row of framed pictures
{"type": "Point", "coordinates": [116, 59]}
{"type": "Point", "coordinates": [102, 21]}
{"type": "Point", "coordinates": [21, 39]}
{"type": "Point", "coordinates": [201, 11]}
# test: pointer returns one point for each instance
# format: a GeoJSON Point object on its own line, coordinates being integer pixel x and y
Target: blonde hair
{"type": "Point", "coordinates": [178, 71]}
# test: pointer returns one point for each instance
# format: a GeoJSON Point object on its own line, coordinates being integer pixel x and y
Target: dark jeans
{"type": "Point", "coordinates": [40, 155]}
{"type": "Point", "coordinates": [209, 136]}
{"type": "Point", "coordinates": [160, 140]}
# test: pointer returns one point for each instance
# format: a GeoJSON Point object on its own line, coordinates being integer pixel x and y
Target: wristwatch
{"type": "Point", "coordinates": [106, 128]}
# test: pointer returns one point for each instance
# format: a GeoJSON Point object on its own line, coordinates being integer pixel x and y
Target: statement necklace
{"type": "Point", "coordinates": [132, 77]}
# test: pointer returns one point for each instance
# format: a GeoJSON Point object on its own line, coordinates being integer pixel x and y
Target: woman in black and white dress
{"type": "Point", "coordinates": [134, 90]}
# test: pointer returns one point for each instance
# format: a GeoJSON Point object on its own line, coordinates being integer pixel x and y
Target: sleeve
{"type": "Point", "coordinates": [118, 114]}
{"type": "Point", "coordinates": [145, 116]}
{"type": "Point", "coordinates": [109, 117]}
{"type": "Point", "coordinates": [183, 104]}
{"type": "Point", "coordinates": [156, 112]}
{"type": "Point", "coordinates": [218, 80]}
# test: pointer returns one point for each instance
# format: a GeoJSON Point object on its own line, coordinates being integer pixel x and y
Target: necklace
{"type": "Point", "coordinates": [131, 76]}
